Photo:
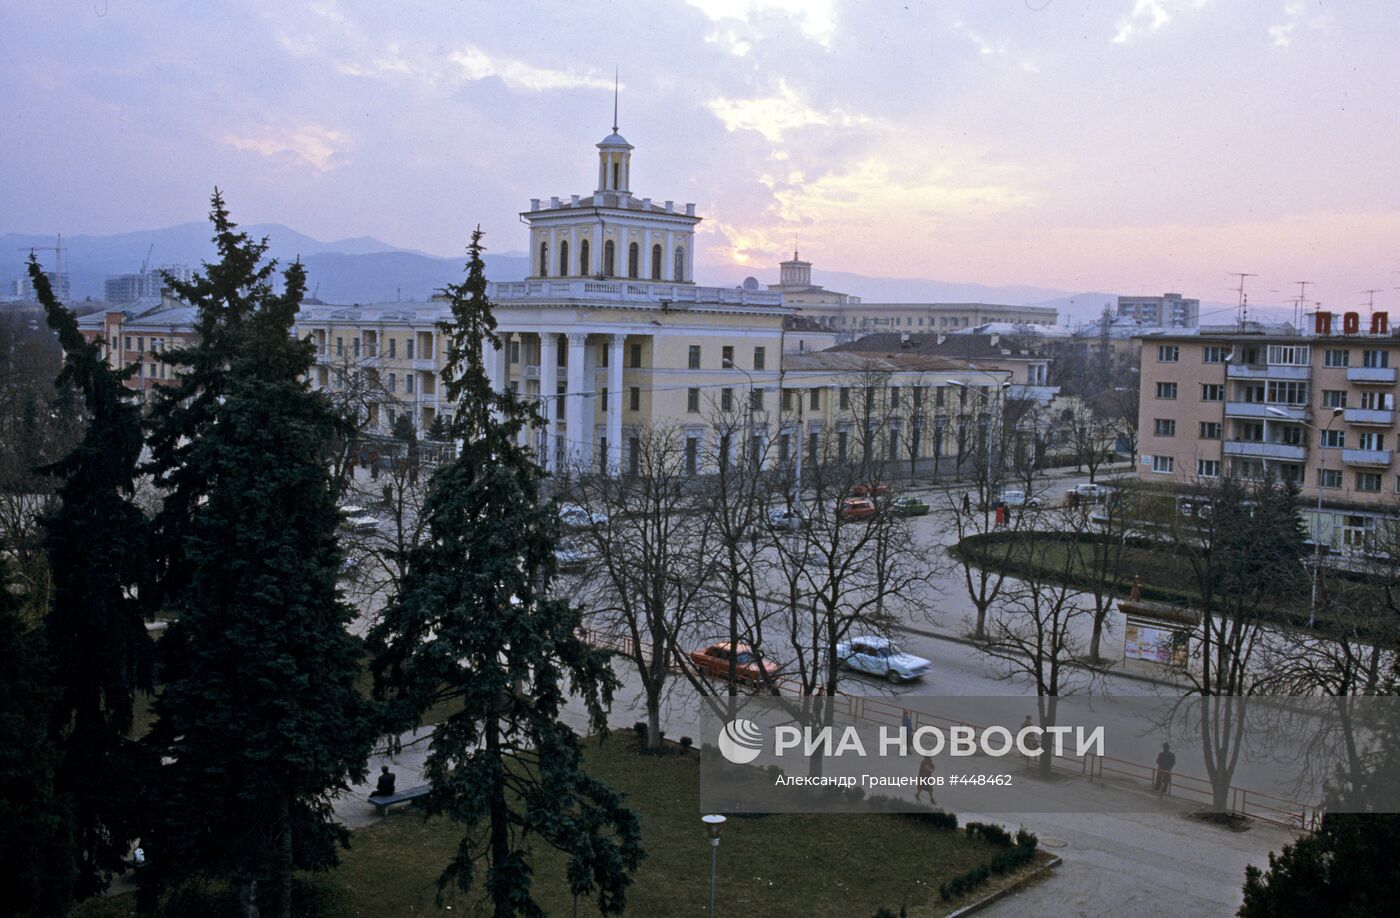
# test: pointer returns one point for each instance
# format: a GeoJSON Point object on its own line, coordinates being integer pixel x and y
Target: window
{"type": "Point", "coordinates": [760, 358]}
{"type": "Point", "coordinates": [610, 258]}
{"type": "Point", "coordinates": [938, 396]}
{"type": "Point", "coordinates": [339, 345]}
{"type": "Point", "coordinates": [1288, 393]}
{"type": "Point", "coordinates": [755, 399]}
{"type": "Point", "coordinates": [635, 398]}
{"type": "Point", "coordinates": [356, 342]}
{"type": "Point", "coordinates": [603, 355]}
{"type": "Point", "coordinates": [845, 398]}
{"type": "Point", "coordinates": [679, 274]}
{"type": "Point", "coordinates": [1369, 440]}
{"type": "Point", "coordinates": [1208, 468]}
{"type": "Point", "coordinates": [636, 362]}
{"type": "Point", "coordinates": [634, 258]}
{"type": "Point", "coordinates": [393, 342]}
{"type": "Point", "coordinates": [1164, 464]}
{"type": "Point", "coordinates": [408, 384]}
{"type": "Point", "coordinates": [1249, 431]}
{"type": "Point", "coordinates": [692, 400]}
{"type": "Point", "coordinates": [1329, 478]}
{"type": "Point", "coordinates": [1336, 358]}
{"type": "Point", "coordinates": [656, 262]}
{"type": "Point", "coordinates": [1210, 430]}
{"type": "Point", "coordinates": [1164, 427]}
{"type": "Point", "coordinates": [1368, 481]}
{"type": "Point", "coordinates": [1168, 353]}
{"type": "Point", "coordinates": [563, 257]}
{"type": "Point", "coordinates": [128, 342]}
{"type": "Point", "coordinates": [894, 396]}
{"type": "Point", "coordinates": [408, 349]}
{"type": "Point", "coordinates": [843, 440]}
{"type": "Point", "coordinates": [1166, 390]}
{"type": "Point", "coordinates": [1334, 398]}
{"type": "Point", "coordinates": [694, 357]}
{"type": "Point", "coordinates": [583, 258]}
{"type": "Point", "coordinates": [726, 355]}
{"type": "Point", "coordinates": [1375, 359]}
{"type": "Point", "coordinates": [692, 455]}
{"type": "Point", "coordinates": [544, 259]}
{"type": "Point", "coordinates": [514, 350]}
{"type": "Point", "coordinates": [1289, 355]}
{"type": "Point", "coordinates": [141, 343]}
{"type": "Point", "coordinates": [393, 383]}
{"type": "Point", "coordinates": [726, 400]}
{"type": "Point", "coordinates": [1212, 353]}
{"type": "Point", "coordinates": [813, 447]}
{"type": "Point", "coordinates": [787, 399]}
{"type": "Point", "coordinates": [1377, 401]}
{"type": "Point", "coordinates": [816, 401]}
{"type": "Point", "coordinates": [1332, 439]}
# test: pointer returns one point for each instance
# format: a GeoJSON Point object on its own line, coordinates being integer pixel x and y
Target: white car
{"type": "Point", "coordinates": [787, 519]}
{"type": "Point", "coordinates": [358, 519]}
{"type": "Point", "coordinates": [573, 516]}
{"type": "Point", "coordinates": [879, 657]}
{"type": "Point", "coordinates": [1019, 499]}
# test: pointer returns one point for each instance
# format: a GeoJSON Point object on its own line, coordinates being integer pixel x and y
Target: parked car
{"type": "Point", "coordinates": [856, 508]}
{"type": "Point", "coordinates": [1015, 498]}
{"type": "Point", "coordinates": [879, 657]}
{"type": "Point", "coordinates": [714, 661]}
{"type": "Point", "coordinates": [908, 506]}
{"type": "Point", "coordinates": [1090, 491]}
{"type": "Point", "coordinates": [871, 489]}
{"type": "Point", "coordinates": [573, 516]}
{"type": "Point", "coordinates": [569, 556]}
{"type": "Point", "coordinates": [787, 519]}
{"type": "Point", "coordinates": [359, 520]}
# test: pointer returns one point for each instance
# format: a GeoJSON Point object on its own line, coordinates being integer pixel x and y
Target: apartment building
{"type": "Point", "coordinates": [1170, 310]}
{"type": "Point", "coordinates": [1315, 409]}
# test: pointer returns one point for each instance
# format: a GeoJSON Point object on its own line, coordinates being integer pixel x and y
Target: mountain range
{"type": "Point", "coordinates": [363, 269]}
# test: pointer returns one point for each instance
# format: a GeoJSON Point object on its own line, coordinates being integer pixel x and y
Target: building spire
{"type": "Point", "coordinates": [614, 98]}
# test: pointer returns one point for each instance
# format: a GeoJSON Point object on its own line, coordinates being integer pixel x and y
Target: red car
{"type": "Point", "coordinates": [871, 489]}
{"type": "Point", "coordinates": [714, 661]}
{"type": "Point", "coordinates": [856, 508]}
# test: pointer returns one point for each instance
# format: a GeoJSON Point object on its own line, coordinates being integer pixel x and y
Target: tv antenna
{"type": "Point", "coordinates": [1299, 301]}
{"type": "Point", "coordinates": [1370, 298]}
{"type": "Point", "coordinates": [1243, 308]}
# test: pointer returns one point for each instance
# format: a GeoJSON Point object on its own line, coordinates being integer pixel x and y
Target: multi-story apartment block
{"type": "Point", "coordinates": [1170, 310]}
{"type": "Point", "coordinates": [126, 288]}
{"type": "Point", "coordinates": [1315, 409]}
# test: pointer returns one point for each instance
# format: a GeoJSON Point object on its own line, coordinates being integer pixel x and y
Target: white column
{"type": "Point", "coordinates": [668, 261]}
{"type": "Point", "coordinates": [549, 382]}
{"type": "Point", "coordinates": [578, 433]}
{"type": "Point", "coordinates": [615, 404]}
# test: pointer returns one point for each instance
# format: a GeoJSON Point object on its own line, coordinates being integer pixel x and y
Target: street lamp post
{"type": "Point", "coordinates": [748, 413]}
{"type": "Point", "coordinates": [988, 438]}
{"type": "Point", "coordinates": [712, 825]}
{"type": "Point", "coordinates": [1317, 520]}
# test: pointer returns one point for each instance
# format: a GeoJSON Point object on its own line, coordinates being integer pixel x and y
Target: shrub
{"type": "Point", "coordinates": [686, 743]}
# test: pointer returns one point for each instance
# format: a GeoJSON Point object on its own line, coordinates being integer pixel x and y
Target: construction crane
{"type": "Point", "coordinates": [145, 262]}
{"type": "Point", "coordinates": [57, 249]}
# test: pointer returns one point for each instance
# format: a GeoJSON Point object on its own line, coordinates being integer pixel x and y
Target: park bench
{"type": "Point", "coordinates": [407, 795]}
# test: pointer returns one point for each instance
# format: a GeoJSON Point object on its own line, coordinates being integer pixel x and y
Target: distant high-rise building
{"type": "Point", "coordinates": [1170, 310]}
{"type": "Point", "coordinates": [126, 288]}
{"type": "Point", "coordinates": [22, 288]}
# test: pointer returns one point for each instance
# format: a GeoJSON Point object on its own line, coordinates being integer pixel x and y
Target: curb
{"type": "Point", "coordinates": [1055, 861]}
{"type": "Point", "coordinates": [1101, 670]}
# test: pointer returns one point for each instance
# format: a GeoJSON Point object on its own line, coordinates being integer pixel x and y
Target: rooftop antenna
{"type": "Point", "coordinates": [614, 98]}
{"type": "Point", "coordinates": [1370, 298]}
{"type": "Point", "coordinates": [1299, 301]}
{"type": "Point", "coordinates": [1243, 313]}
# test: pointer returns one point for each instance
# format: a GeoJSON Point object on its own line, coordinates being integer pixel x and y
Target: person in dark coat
{"type": "Point", "coordinates": [385, 787]}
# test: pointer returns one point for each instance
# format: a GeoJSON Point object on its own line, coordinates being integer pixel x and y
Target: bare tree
{"type": "Point", "coordinates": [1099, 554]}
{"type": "Point", "coordinates": [649, 559]}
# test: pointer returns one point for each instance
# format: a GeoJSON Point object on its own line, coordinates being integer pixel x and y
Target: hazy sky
{"type": "Point", "coordinates": [1127, 145]}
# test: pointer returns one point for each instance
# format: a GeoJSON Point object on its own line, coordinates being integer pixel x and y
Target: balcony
{"type": "Point", "coordinates": [1259, 371]}
{"type": "Point", "coordinates": [628, 291]}
{"type": "Point", "coordinates": [1269, 411]}
{"type": "Point", "coordinates": [1375, 417]}
{"type": "Point", "coordinates": [530, 371]}
{"type": "Point", "coordinates": [424, 363]}
{"type": "Point", "coordinates": [1373, 375]}
{"type": "Point", "coordinates": [1373, 458]}
{"type": "Point", "coordinates": [1255, 449]}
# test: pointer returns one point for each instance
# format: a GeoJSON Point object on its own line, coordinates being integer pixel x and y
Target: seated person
{"type": "Point", "coordinates": [385, 787]}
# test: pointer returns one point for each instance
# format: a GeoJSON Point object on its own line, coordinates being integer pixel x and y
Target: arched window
{"type": "Point", "coordinates": [583, 258]}
{"type": "Point", "coordinates": [680, 263]}
{"type": "Point", "coordinates": [544, 259]}
{"type": "Point", "coordinates": [634, 256]}
{"type": "Point", "coordinates": [609, 259]}
{"type": "Point", "coordinates": [564, 258]}
{"type": "Point", "coordinates": [656, 262]}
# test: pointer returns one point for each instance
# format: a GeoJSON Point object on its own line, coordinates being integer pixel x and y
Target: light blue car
{"type": "Point", "coordinates": [879, 657]}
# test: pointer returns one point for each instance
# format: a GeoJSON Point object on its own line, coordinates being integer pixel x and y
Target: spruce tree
{"type": "Point", "coordinates": [37, 853]}
{"type": "Point", "coordinates": [259, 717]}
{"type": "Point", "coordinates": [96, 633]}
{"type": "Point", "coordinates": [474, 623]}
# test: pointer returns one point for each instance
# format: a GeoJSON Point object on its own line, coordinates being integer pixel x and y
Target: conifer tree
{"type": "Point", "coordinates": [96, 636]}
{"type": "Point", "coordinates": [37, 854]}
{"type": "Point", "coordinates": [259, 716]}
{"type": "Point", "coordinates": [474, 623]}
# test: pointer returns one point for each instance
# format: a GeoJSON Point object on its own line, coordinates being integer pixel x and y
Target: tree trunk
{"type": "Point", "coordinates": [500, 823]}
{"type": "Point", "coordinates": [283, 905]}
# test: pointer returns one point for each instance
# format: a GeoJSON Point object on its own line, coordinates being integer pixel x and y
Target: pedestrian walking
{"type": "Point", "coordinates": [925, 777]}
{"type": "Point", "coordinates": [1166, 761]}
{"type": "Point", "coordinates": [907, 722]}
{"type": "Point", "coordinates": [1031, 741]}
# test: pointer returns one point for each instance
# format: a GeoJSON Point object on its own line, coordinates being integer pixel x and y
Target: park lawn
{"type": "Point", "coordinates": [779, 865]}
